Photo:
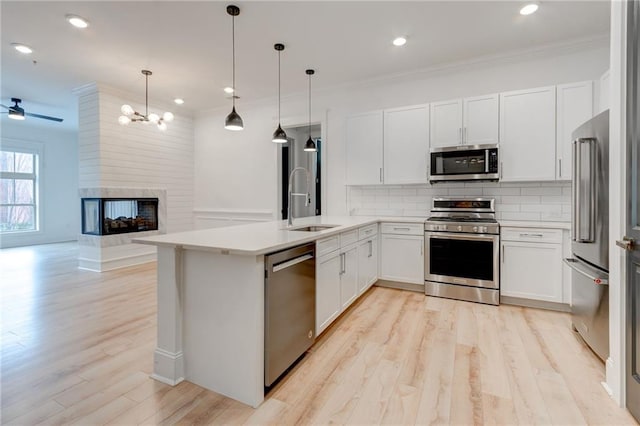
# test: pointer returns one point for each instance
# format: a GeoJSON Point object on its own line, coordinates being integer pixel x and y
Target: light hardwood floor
{"type": "Point", "coordinates": [77, 348]}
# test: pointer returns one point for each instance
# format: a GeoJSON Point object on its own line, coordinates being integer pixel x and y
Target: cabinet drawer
{"type": "Point", "coordinates": [367, 231]}
{"type": "Point", "coordinates": [403, 228]}
{"type": "Point", "coordinates": [348, 237]}
{"type": "Point", "coordinates": [327, 245]}
{"type": "Point", "coordinates": [539, 235]}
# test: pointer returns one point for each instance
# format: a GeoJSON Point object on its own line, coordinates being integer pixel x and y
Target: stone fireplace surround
{"type": "Point", "coordinates": [106, 252]}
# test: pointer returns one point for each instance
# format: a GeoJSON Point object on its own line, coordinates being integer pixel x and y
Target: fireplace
{"type": "Point", "coordinates": [108, 216]}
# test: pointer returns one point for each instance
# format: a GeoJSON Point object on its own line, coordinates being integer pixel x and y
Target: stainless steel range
{"type": "Point", "coordinates": [462, 250]}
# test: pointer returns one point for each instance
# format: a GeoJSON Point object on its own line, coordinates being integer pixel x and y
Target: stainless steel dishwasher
{"type": "Point", "coordinates": [290, 308]}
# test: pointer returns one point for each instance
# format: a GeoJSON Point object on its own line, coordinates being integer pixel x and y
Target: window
{"type": "Point", "coordinates": [18, 191]}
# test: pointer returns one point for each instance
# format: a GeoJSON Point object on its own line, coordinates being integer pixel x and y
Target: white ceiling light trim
{"type": "Point", "coordinates": [228, 90]}
{"type": "Point", "coordinates": [178, 101]}
{"type": "Point", "coordinates": [399, 41]}
{"type": "Point", "coordinates": [22, 48]}
{"type": "Point", "coordinates": [529, 8]}
{"type": "Point", "coordinates": [77, 21]}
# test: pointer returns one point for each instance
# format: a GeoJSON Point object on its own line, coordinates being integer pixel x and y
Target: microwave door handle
{"type": "Point", "coordinates": [486, 161]}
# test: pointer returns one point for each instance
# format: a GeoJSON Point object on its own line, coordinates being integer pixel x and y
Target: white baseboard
{"type": "Point", "coordinates": [117, 263]}
{"type": "Point", "coordinates": [168, 367]}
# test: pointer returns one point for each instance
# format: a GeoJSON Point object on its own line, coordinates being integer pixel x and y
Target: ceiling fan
{"type": "Point", "coordinates": [17, 112]}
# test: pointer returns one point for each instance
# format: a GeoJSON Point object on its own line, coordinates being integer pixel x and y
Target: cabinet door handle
{"type": "Point", "coordinates": [502, 254]}
{"type": "Point", "coordinates": [370, 248]}
{"type": "Point", "coordinates": [560, 167]}
{"type": "Point", "coordinates": [402, 229]}
{"type": "Point", "coordinates": [501, 168]}
{"type": "Point", "coordinates": [459, 135]}
{"type": "Point", "coordinates": [421, 249]}
{"type": "Point", "coordinates": [532, 234]}
{"type": "Point", "coordinates": [341, 263]}
{"type": "Point", "coordinates": [464, 135]}
{"type": "Point", "coordinates": [380, 174]}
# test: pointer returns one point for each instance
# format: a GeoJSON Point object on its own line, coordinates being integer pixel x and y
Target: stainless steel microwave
{"type": "Point", "coordinates": [464, 163]}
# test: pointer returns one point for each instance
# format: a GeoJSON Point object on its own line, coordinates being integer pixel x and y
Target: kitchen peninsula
{"type": "Point", "coordinates": [211, 301]}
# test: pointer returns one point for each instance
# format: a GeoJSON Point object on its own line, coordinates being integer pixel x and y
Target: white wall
{"type": "Point", "coordinates": [60, 209]}
{"type": "Point", "coordinates": [238, 170]}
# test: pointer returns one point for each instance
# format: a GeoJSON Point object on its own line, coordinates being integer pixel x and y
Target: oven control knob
{"type": "Point", "coordinates": [444, 227]}
{"type": "Point", "coordinates": [484, 229]}
{"type": "Point", "coordinates": [475, 229]}
{"type": "Point", "coordinates": [459, 228]}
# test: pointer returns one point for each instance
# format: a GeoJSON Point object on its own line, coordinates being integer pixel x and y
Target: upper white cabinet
{"type": "Point", "coordinates": [406, 145]}
{"type": "Point", "coordinates": [469, 121]}
{"type": "Point", "coordinates": [528, 134]}
{"type": "Point", "coordinates": [364, 148]}
{"type": "Point", "coordinates": [446, 123]}
{"type": "Point", "coordinates": [574, 107]}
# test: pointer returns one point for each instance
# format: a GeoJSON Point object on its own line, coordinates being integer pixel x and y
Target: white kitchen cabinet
{"type": "Point", "coordinates": [402, 254]}
{"type": "Point", "coordinates": [364, 138]}
{"type": "Point", "coordinates": [406, 145]}
{"type": "Point", "coordinates": [328, 291]}
{"type": "Point", "coordinates": [574, 106]}
{"type": "Point", "coordinates": [367, 263]}
{"type": "Point", "coordinates": [528, 134]}
{"type": "Point", "coordinates": [446, 123]}
{"type": "Point", "coordinates": [348, 276]}
{"type": "Point", "coordinates": [531, 264]}
{"type": "Point", "coordinates": [468, 121]}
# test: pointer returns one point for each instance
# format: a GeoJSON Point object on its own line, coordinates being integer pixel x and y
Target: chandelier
{"type": "Point", "coordinates": [129, 114]}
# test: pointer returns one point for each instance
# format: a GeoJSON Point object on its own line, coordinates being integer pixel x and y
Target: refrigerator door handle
{"type": "Point", "coordinates": [584, 206]}
{"type": "Point", "coordinates": [575, 196]}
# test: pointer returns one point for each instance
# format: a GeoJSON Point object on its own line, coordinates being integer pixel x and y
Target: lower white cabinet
{"type": "Point", "coordinates": [367, 263]}
{"type": "Point", "coordinates": [348, 276]}
{"type": "Point", "coordinates": [328, 305]}
{"type": "Point", "coordinates": [531, 264]}
{"type": "Point", "coordinates": [402, 254]}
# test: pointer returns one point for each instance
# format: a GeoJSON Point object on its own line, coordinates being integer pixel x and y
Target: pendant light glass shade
{"type": "Point", "coordinates": [310, 146]}
{"type": "Point", "coordinates": [233, 120]}
{"type": "Point", "coordinates": [279, 136]}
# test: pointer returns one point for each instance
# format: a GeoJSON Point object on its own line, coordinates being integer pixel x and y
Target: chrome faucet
{"type": "Point", "coordinates": [306, 195]}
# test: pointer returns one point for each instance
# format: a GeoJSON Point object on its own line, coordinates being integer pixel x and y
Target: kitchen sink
{"type": "Point", "coordinates": [311, 228]}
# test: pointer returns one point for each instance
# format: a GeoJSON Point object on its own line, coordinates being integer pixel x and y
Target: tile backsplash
{"type": "Point", "coordinates": [530, 201]}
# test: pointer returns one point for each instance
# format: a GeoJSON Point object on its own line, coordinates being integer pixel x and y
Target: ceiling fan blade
{"type": "Point", "coordinates": [46, 117]}
{"type": "Point", "coordinates": [4, 106]}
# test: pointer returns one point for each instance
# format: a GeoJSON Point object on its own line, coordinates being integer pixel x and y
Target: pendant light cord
{"type": "Point", "coordinates": [309, 106]}
{"type": "Point", "coordinates": [278, 88]}
{"type": "Point", "coordinates": [233, 55]}
{"type": "Point", "coordinates": [146, 96]}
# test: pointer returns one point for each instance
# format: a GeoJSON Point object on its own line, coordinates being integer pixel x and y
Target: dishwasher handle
{"type": "Point", "coordinates": [292, 262]}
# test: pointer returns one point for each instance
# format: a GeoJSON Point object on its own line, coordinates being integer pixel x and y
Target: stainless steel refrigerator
{"type": "Point", "coordinates": [590, 233]}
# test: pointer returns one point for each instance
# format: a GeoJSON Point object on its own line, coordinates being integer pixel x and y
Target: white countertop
{"type": "Point", "coordinates": [257, 238]}
{"type": "Point", "coordinates": [266, 237]}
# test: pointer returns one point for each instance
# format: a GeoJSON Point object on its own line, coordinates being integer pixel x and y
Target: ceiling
{"type": "Point", "coordinates": [187, 44]}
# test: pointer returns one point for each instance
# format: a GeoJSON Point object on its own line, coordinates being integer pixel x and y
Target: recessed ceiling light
{"type": "Point", "coordinates": [178, 101]}
{"type": "Point", "coordinates": [77, 21]}
{"type": "Point", "coordinates": [228, 90]}
{"type": "Point", "coordinates": [400, 41]}
{"type": "Point", "coordinates": [22, 48]}
{"type": "Point", "coordinates": [529, 8]}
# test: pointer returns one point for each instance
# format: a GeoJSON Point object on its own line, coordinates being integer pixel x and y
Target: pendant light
{"type": "Point", "coordinates": [279, 136]}
{"type": "Point", "coordinates": [233, 120]}
{"type": "Point", "coordinates": [310, 146]}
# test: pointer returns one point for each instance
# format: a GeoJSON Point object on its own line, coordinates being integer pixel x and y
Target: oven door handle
{"type": "Point", "coordinates": [454, 236]}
